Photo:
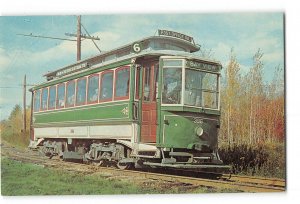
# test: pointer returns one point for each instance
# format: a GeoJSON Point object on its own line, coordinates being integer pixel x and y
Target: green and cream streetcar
{"type": "Point", "coordinates": [150, 103]}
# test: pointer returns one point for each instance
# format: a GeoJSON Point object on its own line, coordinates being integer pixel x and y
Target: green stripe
{"type": "Point", "coordinates": [87, 113]}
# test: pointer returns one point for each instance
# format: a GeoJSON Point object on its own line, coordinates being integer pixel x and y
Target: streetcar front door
{"type": "Point", "coordinates": [149, 89]}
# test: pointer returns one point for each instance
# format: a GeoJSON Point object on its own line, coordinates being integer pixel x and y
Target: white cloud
{"type": "Point", "coordinates": [63, 50]}
{"type": "Point", "coordinates": [4, 60]}
{"type": "Point", "coordinates": [221, 51]}
{"type": "Point", "coordinates": [108, 40]}
{"type": "Point", "coordinates": [274, 57]}
{"type": "Point", "coordinates": [248, 46]}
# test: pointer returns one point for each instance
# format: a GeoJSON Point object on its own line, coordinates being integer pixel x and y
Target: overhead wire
{"type": "Point", "coordinates": [90, 37]}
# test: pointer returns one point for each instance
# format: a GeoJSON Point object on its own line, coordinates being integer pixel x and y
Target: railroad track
{"type": "Point", "coordinates": [235, 183]}
{"type": "Point", "coordinates": [276, 182]}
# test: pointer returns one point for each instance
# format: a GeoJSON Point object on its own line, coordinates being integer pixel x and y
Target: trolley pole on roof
{"type": "Point", "coordinates": [24, 105]}
{"type": "Point", "coordinates": [78, 38]}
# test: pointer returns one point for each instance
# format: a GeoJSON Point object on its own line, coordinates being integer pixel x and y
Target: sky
{"type": "Point", "coordinates": [219, 32]}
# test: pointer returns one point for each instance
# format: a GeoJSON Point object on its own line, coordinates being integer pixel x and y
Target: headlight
{"type": "Point", "coordinates": [199, 131]}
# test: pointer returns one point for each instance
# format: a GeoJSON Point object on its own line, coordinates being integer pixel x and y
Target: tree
{"type": "Point", "coordinates": [16, 120]}
{"type": "Point", "coordinates": [230, 94]}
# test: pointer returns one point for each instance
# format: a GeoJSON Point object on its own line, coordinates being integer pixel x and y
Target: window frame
{"type": "Point", "coordinates": [182, 68]}
{"type": "Point", "coordinates": [87, 88]}
{"type": "Point", "coordinates": [57, 86]}
{"type": "Point", "coordinates": [101, 80]}
{"type": "Point", "coordinates": [66, 94]}
{"type": "Point", "coordinates": [54, 98]}
{"type": "Point", "coordinates": [76, 91]}
{"type": "Point", "coordinates": [115, 84]}
{"type": "Point", "coordinates": [41, 105]}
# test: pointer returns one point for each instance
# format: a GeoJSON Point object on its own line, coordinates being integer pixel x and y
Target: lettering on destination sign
{"type": "Point", "coordinates": [176, 35]}
{"type": "Point", "coordinates": [72, 69]}
{"type": "Point", "coordinates": [200, 65]}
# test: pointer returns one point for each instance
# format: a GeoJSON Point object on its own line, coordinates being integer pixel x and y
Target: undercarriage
{"type": "Point", "coordinates": [125, 155]}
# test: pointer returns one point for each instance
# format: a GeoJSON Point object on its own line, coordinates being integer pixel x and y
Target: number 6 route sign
{"type": "Point", "coordinates": [136, 47]}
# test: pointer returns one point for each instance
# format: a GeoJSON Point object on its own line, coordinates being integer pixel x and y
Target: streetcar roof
{"type": "Point", "coordinates": [188, 52]}
{"type": "Point", "coordinates": [189, 46]}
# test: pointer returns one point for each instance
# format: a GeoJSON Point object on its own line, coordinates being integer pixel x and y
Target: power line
{"type": "Point", "coordinates": [78, 35]}
{"type": "Point", "coordinates": [16, 87]}
{"type": "Point", "coordinates": [41, 36]}
{"type": "Point", "coordinates": [90, 37]}
{"type": "Point", "coordinates": [10, 87]}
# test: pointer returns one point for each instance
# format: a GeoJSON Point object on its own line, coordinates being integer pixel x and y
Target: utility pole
{"type": "Point", "coordinates": [24, 105]}
{"type": "Point", "coordinates": [78, 35]}
{"type": "Point", "coordinates": [78, 38]}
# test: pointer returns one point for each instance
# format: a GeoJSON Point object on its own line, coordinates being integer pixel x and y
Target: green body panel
{"type": "Point", "coordinates": [177, 124]}
{"type": "Point", "coordinates": [179, 130]}
{"type": "Point", "coordinates": [100, 112]}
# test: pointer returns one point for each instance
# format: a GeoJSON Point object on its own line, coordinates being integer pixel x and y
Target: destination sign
{"type": "Point", "coordinates": [72, 69]}
{"type": "Point", "coordinates": [176, 35]}
{"type": "Point", "coordinates": [204, 66]}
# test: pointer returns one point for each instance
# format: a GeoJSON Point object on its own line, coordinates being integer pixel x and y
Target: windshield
{"type": "Point", "coordinates": [201, 89]}
{"type": "Point", "coordinates": [172, 82]}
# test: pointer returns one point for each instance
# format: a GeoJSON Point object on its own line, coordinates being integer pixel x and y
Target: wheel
{"type": "Point", "coordinates": [101, 163]}
{"type": "Point", "coordinates": [124, 166]}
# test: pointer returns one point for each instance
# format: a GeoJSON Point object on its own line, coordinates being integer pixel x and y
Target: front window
{"type": "Point", "coordinates": [172, 82]}
{"type": "Point", "coordinates": [201, 89]}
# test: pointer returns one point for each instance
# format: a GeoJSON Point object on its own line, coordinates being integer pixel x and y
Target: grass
{"type": "Point", "coordinates": [19, 179]}
{"type": "Point", "coordinates": [29, 179]}
{"type": "Point", "coordinates": [17, 139]}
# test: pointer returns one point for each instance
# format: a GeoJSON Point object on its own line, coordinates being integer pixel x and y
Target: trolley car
{"type": "Point", "coordinates": [150, 103]}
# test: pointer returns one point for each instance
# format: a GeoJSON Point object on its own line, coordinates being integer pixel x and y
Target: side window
{"type": "Point", "coordinates": [60, 103]}
{"type": "Point", "coordinates": [122, 83]}
{"type": "Point", "coordinates": [93, 88]}
{"type": "Point", "coordinates": [106, 90]}
{"type": "Point", "coordinates": [52, 97]}
{"type": "Point", "coordinates": [81, 91]}
{"type": "Point", "coordinates": [146, 88]}
{"type": "Point", "coordinates": [37, 97]}
{"type": "Point", "coordinates": [70, 99]}
{"type": "Point", "coordinates": [44, 99]}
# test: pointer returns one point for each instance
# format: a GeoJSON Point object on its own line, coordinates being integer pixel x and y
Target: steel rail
{"type": "Point", "coordinates": [259, 180]}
